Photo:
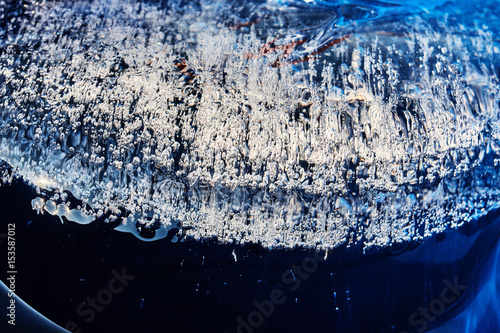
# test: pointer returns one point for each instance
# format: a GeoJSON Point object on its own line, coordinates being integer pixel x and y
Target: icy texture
{"type": "Point", "coordinates": [181, 115]}
{"type": "Point", "coordinates": [74, 215]}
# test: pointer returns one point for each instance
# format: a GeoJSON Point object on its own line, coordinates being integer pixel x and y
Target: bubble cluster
{"type": "Point", "coordinates": [154, 115]}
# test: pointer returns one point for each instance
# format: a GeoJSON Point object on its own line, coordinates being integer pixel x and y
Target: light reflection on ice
{"type": "Point", "coordinates": [61, 210]}
{"type": "Point", "coordinates": [162, 114]}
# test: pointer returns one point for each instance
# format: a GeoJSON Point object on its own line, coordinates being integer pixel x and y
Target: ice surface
{"type": "Point", "coordinates": [73, 215]}
{"type": "Point", "coordinates": [181, 117]}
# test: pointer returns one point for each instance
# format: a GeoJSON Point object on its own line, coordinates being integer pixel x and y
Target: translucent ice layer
{"type": "Point", "coordinates": [283, 123]}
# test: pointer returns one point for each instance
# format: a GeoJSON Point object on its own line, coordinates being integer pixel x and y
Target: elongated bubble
{"type": "Point", "coordinates": [302, 124]}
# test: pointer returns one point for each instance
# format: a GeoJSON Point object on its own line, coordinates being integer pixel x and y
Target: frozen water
{"type": "Point", "coordinates": [74, 215]}
{"type": "Point", "coordinates": [356, 123]}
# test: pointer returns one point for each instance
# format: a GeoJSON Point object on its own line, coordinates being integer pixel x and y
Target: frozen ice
{"type": "Point", "coordinates": [173, 116]}
{"type": "Point", "coordinates": [61, 210]}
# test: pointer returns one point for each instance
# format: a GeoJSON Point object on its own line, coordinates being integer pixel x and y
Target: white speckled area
{"type": "Point", "coordinates": [371, 125]}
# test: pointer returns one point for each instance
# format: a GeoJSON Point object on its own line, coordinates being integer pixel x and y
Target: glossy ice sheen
{"type": "Point", "coordinates": [311, 124]}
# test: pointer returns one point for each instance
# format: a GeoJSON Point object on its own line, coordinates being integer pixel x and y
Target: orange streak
{"type": "Point", "coordinates": [245, 24]}
{"type": "Point", "coordinates": [311, 56]}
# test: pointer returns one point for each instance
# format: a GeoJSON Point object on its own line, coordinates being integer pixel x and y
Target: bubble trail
{"type": "Point", "coordinates": [154, 117]}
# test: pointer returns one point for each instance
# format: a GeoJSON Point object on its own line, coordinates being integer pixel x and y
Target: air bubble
{"type": "Point", "coordinates": [456, 68]}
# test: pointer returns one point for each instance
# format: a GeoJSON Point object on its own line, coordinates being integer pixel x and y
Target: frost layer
{"type": "Point", "coordinates": [389, 135]}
